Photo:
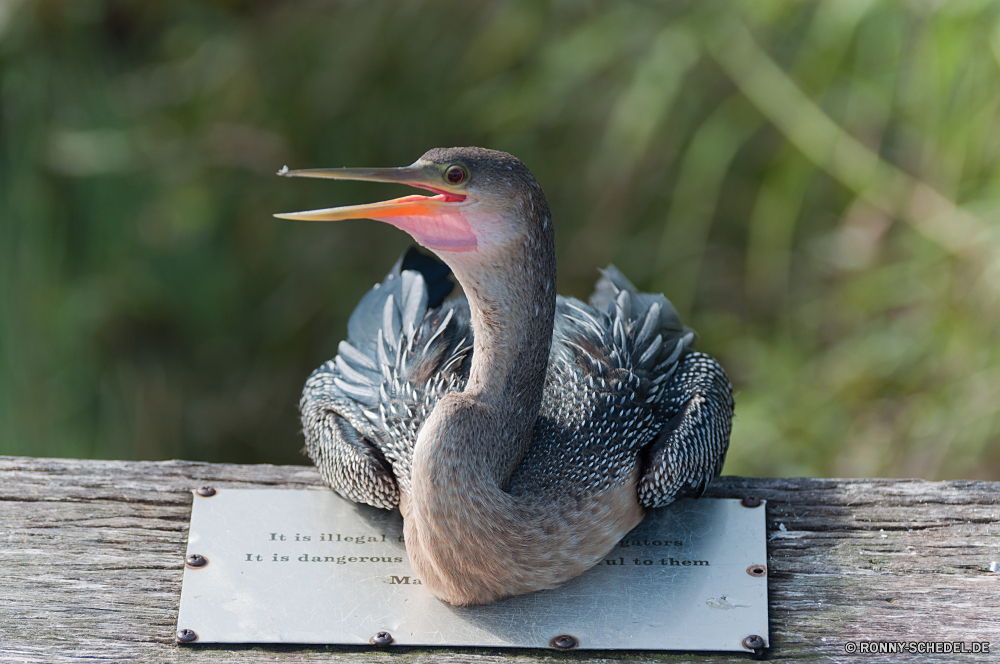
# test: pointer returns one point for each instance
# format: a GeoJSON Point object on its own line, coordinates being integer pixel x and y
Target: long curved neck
{"type": "Point", "coordinates": [512, 306]}
{"type": "Point", "coordinates": [473, 440]}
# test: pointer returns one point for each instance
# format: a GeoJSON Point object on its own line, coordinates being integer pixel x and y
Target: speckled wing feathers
{"type": "Point", "coordinates": [399, 359]}
{"type": "Point", "coordinates": [697, 408]}
{"type": "Point", "coordinates": [693, 413]}
{"type": "Point", "coordinates": [599, 407]}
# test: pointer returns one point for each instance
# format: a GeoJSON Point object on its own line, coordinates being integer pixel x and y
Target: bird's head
{"type": "Point", "coordinates": [483, 203]}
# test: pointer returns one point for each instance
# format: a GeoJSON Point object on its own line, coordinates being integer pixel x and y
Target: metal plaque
{"type": "Point", "coordinates": [308, 566]}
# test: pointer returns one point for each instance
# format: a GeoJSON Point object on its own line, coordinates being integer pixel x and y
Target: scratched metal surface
{"type": "Point", "coordinates": [311, 567]}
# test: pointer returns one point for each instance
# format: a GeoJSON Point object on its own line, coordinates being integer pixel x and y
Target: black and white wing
{"type": "Point", "coordinates": [694, 408]}
{"type": "Point", "coordinates": [626, 392]}
{"type": "Point", "coordinates": [697, 413]}
{"type": "Point", "coordinates": [362, 410]}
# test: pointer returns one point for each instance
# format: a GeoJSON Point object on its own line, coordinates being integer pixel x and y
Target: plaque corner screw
{"type": "Point", "coordinates": [206, 491]}
{"type": "Point", "coordinates": [381, 639]}
{"type": "Point", "coordinates": [564, 642]}
{"type": "Point", "coordinates": [186, 635]}
{"type": "Point", "coordinates": [755, 643]}
{"type": "Point", "coordinates": [196, 561]}
{"type": "Point", "coordinates": [757, 570]}
{"type": "Point", "coordinates": [750, 501]}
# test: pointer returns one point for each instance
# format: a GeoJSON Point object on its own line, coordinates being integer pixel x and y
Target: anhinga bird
{"type": "Point", "coordinates": [520, 433]}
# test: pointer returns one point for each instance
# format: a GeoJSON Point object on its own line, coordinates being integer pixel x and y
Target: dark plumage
{"type": "Point", "coordinates": [511, 416]}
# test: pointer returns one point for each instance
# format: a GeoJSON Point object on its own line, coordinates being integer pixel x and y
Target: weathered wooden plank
{"type": "Point", "coordinates": [92, 562]}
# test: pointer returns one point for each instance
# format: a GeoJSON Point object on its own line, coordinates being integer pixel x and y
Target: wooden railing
{"type": "Point", "coordinates": [92, 554]}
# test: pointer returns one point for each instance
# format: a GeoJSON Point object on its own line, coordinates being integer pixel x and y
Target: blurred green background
{"type": "Point", "coordinates": [814, 184]}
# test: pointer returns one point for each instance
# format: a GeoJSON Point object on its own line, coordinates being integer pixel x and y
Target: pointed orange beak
{"type": "Point", "coordinates": [435, 222]}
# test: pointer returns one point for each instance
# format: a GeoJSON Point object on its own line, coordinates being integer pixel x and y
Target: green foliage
{"type": "Point", "coordinates": [814, 184]}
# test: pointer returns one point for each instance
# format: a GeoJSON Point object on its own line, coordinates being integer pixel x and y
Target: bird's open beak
{"type": "Point", "coordinates": [436, 222]}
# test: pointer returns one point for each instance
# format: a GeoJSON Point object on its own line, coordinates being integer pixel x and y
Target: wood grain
{"type": "Point", "coordinates": [92, 558]}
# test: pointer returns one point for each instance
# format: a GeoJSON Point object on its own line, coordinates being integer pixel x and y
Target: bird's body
{"type": "Point", "coordinates": [521, 434]}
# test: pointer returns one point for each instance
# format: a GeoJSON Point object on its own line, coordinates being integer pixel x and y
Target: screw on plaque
{"type": "Point", "coordinates": [564, 642]}
{"type": "Point", "coordinates": [755, 643]}
{"type": "Point", "coordinates": [381, 639]}
{"type": "Point", "coordinates": [206, 491]}
{"type": "Point", "coordinates": [186, 635]}
{"type": "Point", "coordinates": [757, 570]}
{"type": "Point", "coordinates": [750, 501]}
{"type": "Point", "coordinates": [196, 561]}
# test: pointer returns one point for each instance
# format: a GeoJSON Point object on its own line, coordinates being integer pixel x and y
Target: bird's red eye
{"type": "Point", "coordinates": [455, 174]}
